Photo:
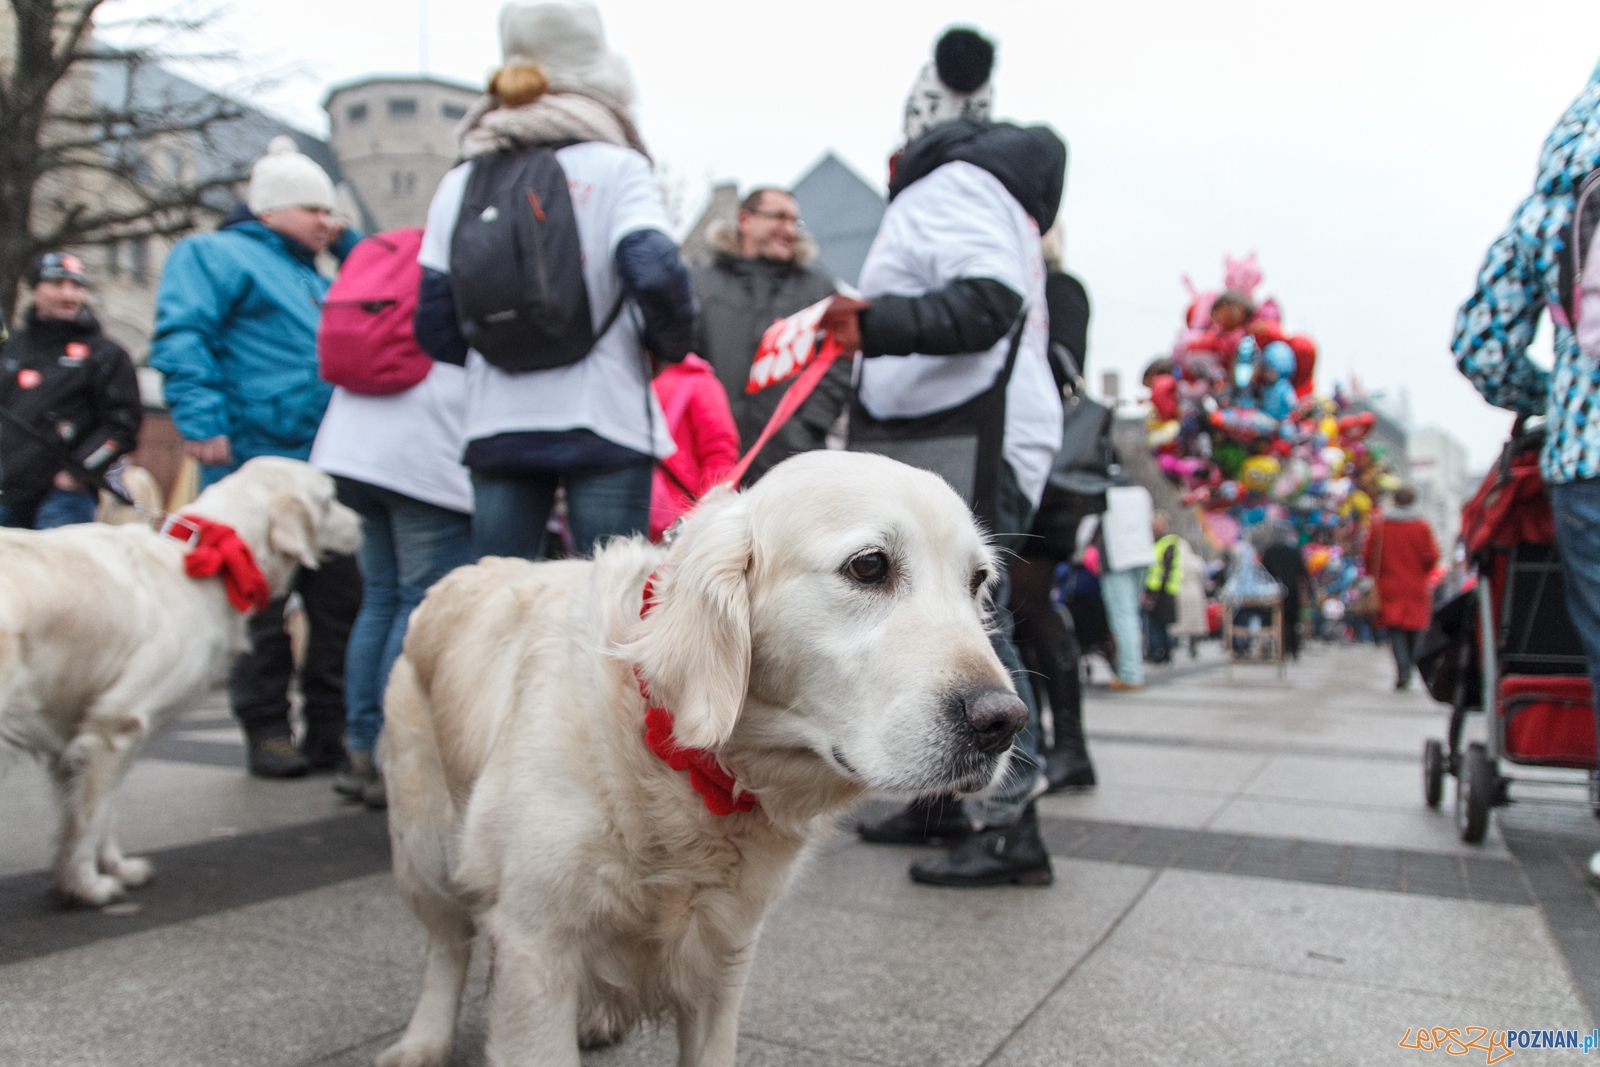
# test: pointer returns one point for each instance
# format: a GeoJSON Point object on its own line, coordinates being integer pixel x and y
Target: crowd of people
{"type": "Point", "coordinates": [600, 391]}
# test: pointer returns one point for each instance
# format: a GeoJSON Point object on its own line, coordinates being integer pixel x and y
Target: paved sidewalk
{"type": "Point", "coordinates": [1256, 881]}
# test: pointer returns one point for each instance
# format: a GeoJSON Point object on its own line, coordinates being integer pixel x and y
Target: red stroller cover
{"type": "Point", "coordinates": [1511, 506]}
{"type": "Point", "coordinates": [1549, 719]}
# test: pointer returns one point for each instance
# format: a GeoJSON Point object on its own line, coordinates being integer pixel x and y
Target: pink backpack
{"type": "Point", "coordinates": [365, 342]}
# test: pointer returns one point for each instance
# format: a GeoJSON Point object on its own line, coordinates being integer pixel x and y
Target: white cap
{"type": "Point", "coordinates": [567, 41]}
{"type": "Point", "coordinates": [285, 178]}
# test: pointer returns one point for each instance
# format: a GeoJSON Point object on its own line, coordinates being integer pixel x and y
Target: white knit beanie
{"type": "Point", "coordinates": [956, 85]}
{"type": "Point", "coordinates": [285, 178]}
{"type": "Point", "coordinates": [567, 41]}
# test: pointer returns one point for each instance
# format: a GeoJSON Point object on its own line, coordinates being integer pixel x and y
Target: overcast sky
{"type": "Point", "coordinates": [1367, 151]}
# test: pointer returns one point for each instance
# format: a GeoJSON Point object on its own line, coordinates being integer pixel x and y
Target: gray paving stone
{"type": "Point", "coordinates": [1446, 948]}
{"type": "Point", "coordinates": [1123, 1008]}
{"type": "Point", "coordinates": [908, 975]}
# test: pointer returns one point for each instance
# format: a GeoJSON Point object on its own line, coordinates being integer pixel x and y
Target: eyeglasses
{"type": "Point", "coordinates": [778, 216]}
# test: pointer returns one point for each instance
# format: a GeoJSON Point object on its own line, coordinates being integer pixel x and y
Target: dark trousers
{"type": "Point", "coordinates": [1577, 512]}
{"type": "Point", "coordinates": [1404, 643]}
{"type": "Point", "coordinates": [258, 686]}
{"type": "Point", "coordinates": [1048, 646]}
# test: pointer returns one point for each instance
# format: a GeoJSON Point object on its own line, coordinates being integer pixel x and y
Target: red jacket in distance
{"type": "Point", "coordinates": [701, 423]}
{"type": "Point", "coordinates": [1405, 554]}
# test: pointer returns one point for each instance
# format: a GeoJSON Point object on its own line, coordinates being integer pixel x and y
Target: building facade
{"type": "Point", "coordinates": [394, 138]}
{"type": "Point", "coordinates": [1439, 474]}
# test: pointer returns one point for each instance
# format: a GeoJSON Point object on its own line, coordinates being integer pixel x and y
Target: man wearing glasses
{"type": "Point", "coordinates": [761, 271]}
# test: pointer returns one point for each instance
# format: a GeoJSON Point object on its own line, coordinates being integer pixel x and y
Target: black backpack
{"type": "Point", "coordinates": [516, 265]}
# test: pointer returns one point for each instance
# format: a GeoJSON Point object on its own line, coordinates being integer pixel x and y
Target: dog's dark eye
{"type": "Point", "coordinates": [869, 568]}
{"type": "Point", "coordinates": [980, 578]}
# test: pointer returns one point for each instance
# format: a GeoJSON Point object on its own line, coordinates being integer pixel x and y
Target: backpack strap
{"type": "Point", "coordinates": [611, 319]}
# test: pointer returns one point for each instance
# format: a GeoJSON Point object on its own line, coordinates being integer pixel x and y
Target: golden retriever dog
{"type": "Point", "coordinates": [814, 637]}
{"type": "Point", "coordinates": [104, 638]}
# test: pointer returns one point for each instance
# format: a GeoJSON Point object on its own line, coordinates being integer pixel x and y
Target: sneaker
{"type": "Point", "coordinates": [1594, 870]}
{"type": "Point", "coordinates": [1068, 772]}
{"type": "Point", "coordinates": [1119, 686]}
{"type": "Point", "coordinates": [931, 821]}
{"type": "Point", "coordinates": [276, 757]}
{"type": "Point", "coordinates": [374, 794]}
{"type": "Point", "coordinates": [1001, 855]}
{"type": "Point", "coordinates": [354, 777]}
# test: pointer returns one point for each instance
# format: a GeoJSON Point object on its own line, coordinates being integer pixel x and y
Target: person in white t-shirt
{"type": "Point", "coordinates": [592, 428]}
{"type": "Point", "coordinates": [1128, 536]}
{"type": "Point", "coordinates": [396, 459]}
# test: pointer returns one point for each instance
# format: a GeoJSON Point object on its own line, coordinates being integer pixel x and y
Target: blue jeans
{"type": "Point", "coordinates": [1120, 591]}
{"type": "Point", "coordinates": [61, 507]}
{"type": "Point", "coordinates": [511, 510]}
{"type": "Point", "coordinates": [406, 546]}
{"type": "Point", "coordinates": [1005, 804]}
{"type": "Point", "coordinates": [1577, 513]}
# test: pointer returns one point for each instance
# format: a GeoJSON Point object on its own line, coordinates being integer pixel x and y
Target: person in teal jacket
{"type": "Point", "coordinates": [236, 320]}
{"type": "Point", "coordinates": [236, 338]}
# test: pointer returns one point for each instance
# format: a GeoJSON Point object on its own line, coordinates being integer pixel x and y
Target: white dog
{"type": "Point", "coordinates": [104, 637]}
{"type": "Point", "coordinates": [817, 636]}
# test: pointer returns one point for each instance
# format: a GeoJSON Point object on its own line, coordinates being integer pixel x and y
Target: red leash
{"type": "Point", "coordinates": [716, 786]}
{"type": "Point", "coordinates": [797, 395]}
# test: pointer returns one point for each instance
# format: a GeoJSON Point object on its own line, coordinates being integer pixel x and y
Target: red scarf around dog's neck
{"type": "Point", "coordinates": [715, 785]}
{"type": "Point", "coordinates": [217, 547]}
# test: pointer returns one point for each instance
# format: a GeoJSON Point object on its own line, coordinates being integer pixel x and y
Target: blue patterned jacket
{"type": "Point", "coordinates": [1518, 282]}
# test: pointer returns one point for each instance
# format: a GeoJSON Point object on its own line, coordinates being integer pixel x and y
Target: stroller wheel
{"type": "Point", "coordinates": [1475, 793]}
{"type": "Point", "coordinates": [1432, 772]}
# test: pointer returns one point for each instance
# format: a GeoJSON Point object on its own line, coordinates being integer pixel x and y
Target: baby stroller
{"type": "Point", "coordinates": [1505, 642]}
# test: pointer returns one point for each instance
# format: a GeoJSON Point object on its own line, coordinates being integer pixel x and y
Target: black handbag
{"type": "Point", "coordinates": [1079, 477]}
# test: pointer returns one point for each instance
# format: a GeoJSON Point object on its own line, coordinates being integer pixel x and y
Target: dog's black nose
{"type": "Point", "coordinates": [995, 716]}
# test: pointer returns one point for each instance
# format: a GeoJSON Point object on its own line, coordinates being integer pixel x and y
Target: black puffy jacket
{"type": "Point", "coordinates": [70, 382]}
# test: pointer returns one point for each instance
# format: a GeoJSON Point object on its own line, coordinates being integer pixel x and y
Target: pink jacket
{"type": "Point", "coordinates": [701, 423]}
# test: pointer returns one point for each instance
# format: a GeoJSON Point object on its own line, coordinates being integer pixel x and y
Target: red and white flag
{"type": "Point", "coordinates": [787, 347]}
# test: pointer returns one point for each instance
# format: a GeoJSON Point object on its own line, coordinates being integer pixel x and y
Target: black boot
{"type": "Point", "coordinates": [1001, 855]}
{"type": "Point", "coordinates": [1068, 772]}
{"type": "Point", "coordinates": [323, 746]}
{"type": "Point", "coordinates": [932, 821]}
{"type": "Point", "coordinates": [275, 757]}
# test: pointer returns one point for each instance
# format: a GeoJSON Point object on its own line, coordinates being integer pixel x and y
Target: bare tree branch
{"type": "Point", "coordinates": [81, 163]}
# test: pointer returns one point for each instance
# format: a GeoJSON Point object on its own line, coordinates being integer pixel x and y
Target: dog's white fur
{"type": "Point", "coordinates": [523, 800]}
{"type": "Point", "coordinates": [103, 638]}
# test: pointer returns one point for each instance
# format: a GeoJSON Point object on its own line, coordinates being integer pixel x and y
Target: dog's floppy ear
{"type": "Point", "coordinates": [696, 651]}
{"type": "Point", "coordinates": [291, 530]}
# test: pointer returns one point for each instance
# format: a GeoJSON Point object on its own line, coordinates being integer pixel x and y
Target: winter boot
{"type": "Point", "coordinates": [275, 757]}
{"type": "Point", "coordinates": [358, 773]}
{"type": "Point", "coordinates": [1068, 772]}
{"type": "Point", "coordinates": [374, 794]}
{"type": "Point", "coordinates": [323, 747]}
{"type": "Point", "coordinates": [1001, 855]}
{"type": "Point", "coordinates": [932, 821]}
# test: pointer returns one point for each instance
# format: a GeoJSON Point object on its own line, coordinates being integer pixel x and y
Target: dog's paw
{"type": "Point", "coordinates": [414, 1054]}
{"type": "Point", "coordinates": [132, 871]}
{"type": "Point", "coordinates": [91, 891]}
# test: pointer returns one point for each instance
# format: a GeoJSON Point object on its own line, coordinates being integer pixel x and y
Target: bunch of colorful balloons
{"type": "Point", "coordinates": [1236, 427]}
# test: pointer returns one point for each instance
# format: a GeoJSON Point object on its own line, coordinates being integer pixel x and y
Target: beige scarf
{"type": "Point", "coordinates": [565, 113]}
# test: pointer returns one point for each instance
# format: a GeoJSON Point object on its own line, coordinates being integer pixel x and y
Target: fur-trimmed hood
{"type": "Point", "coordinates": [722, 237]}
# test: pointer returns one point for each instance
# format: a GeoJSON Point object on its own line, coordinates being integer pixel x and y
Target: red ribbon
{"type": "Point", "coordinates": [218, 548]}
{"type": "Point", "coordinates": [706, 776]}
